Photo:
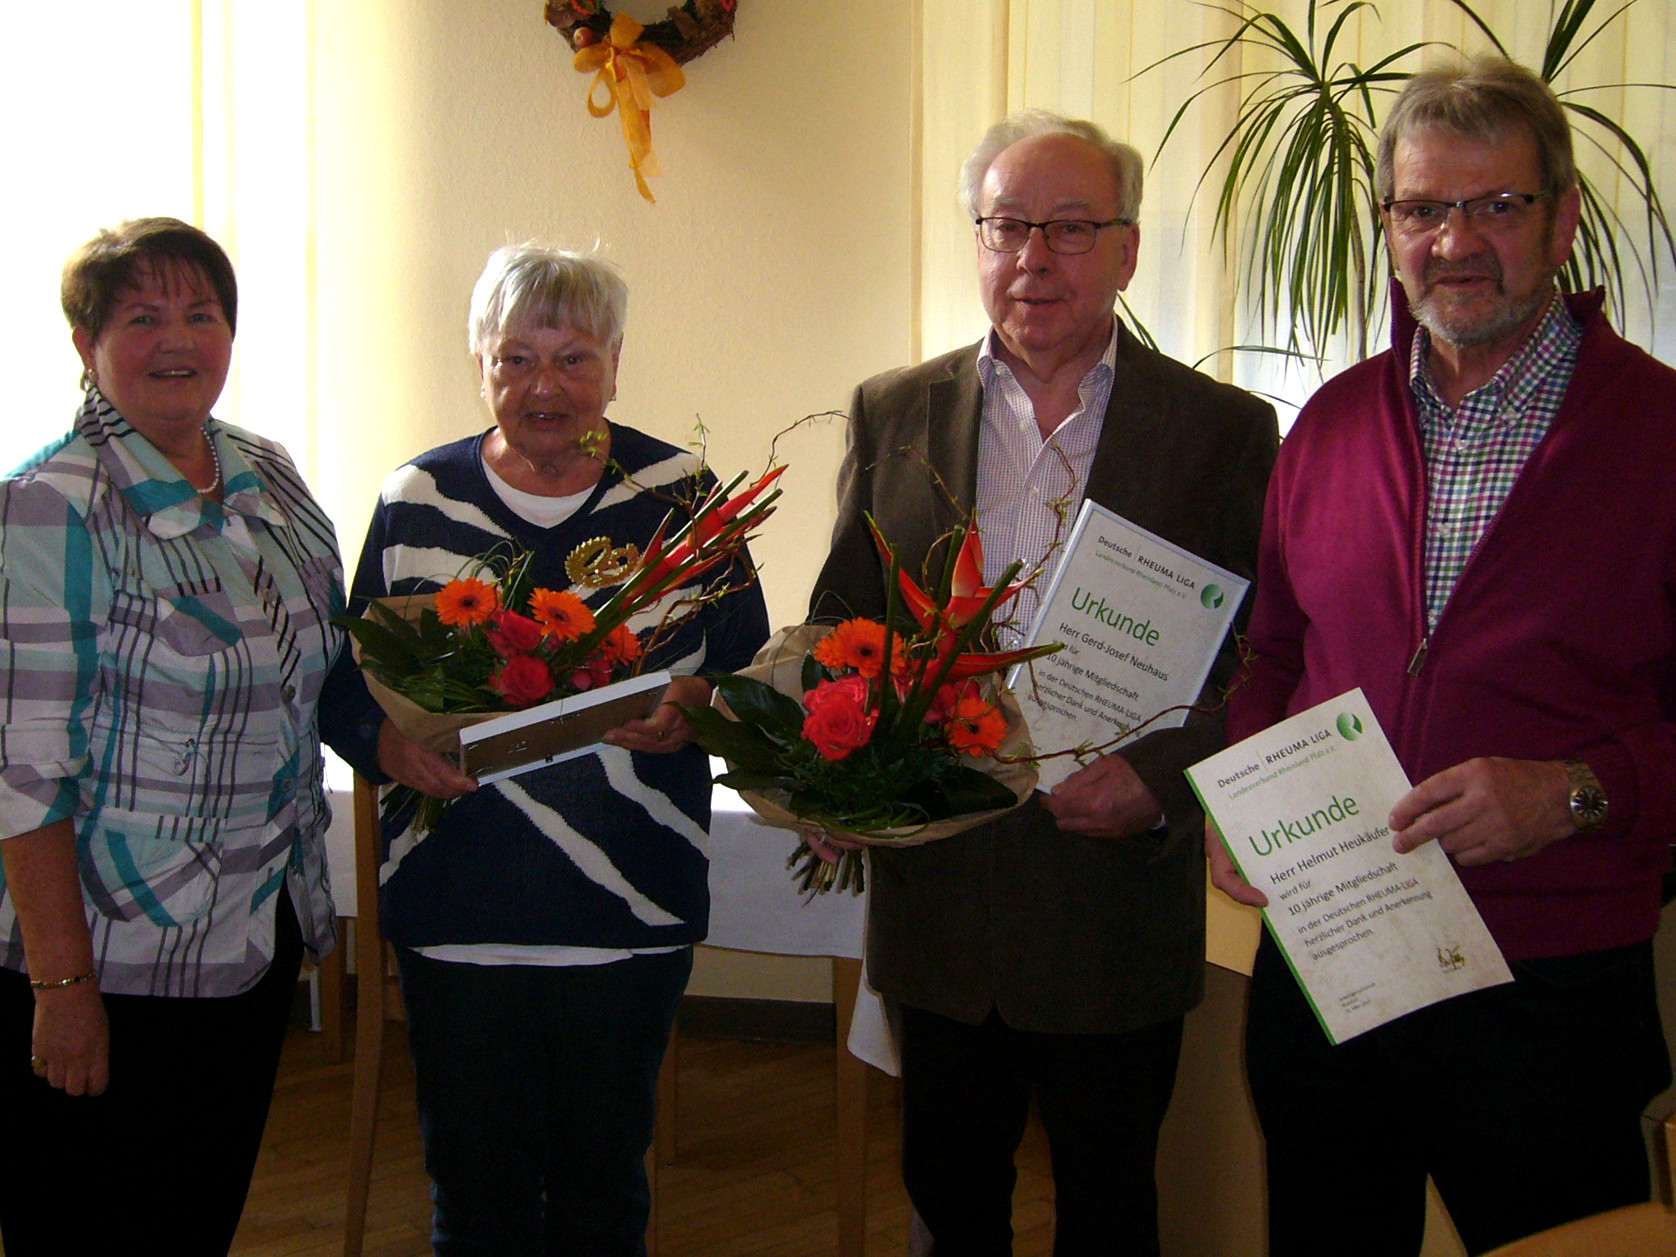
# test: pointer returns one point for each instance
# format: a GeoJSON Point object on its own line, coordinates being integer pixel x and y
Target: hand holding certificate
{"type": "Point", "coordinates": [1370, 934]}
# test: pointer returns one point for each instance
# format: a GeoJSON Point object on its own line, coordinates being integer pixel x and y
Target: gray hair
{"type": "Point", "coordinates": [1126, 162]}
{"type": "Point", "coordinates": [1487, 100]}
{"type": "Point", "coordinates": [527, 285]}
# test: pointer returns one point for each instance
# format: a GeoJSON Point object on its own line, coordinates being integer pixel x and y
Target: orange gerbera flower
{"type": "Point", "coordinates": [466, 601]}
{"type": "Point", "coordinates": [621, 646]}
{"type": "Point", "coordinates": [858, 644]}
{"type": "Point", "coordinates": [977, 727]}
{"type": "Point", "coordinates": [561, 614]}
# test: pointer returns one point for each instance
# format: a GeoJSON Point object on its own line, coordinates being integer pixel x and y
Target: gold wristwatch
{"type": "Point", "coordinates": [1588, 800]}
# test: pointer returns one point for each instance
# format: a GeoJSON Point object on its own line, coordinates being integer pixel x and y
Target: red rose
{"type": "Point", "coordinates": [513, 634]}
{"type": "Point", "coordinates": [838, 720]}
{"type": "Point", "coordinates": [522, 681]}
{"type": "Point", "coordinates": [591, 675]}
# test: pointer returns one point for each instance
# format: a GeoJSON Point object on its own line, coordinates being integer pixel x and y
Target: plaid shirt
{"type": "Point", "coordinates": [160, 660]}
{"type": "Point", "coordinates": [1475, 452]}
{"type": "Point", "coordinates": [1029, 489]}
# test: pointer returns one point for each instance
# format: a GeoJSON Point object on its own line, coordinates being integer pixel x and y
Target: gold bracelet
{"type": "Point", "coordinates": [89, 976]}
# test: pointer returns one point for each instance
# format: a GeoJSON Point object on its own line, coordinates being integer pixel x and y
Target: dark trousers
{"type": "Point", "coordinates": [1522, 1101]}
{"type": "Point", "coordinates": [537, 1088]}
{"type": "Point", "coordinates": [966, 1097]}
{"type": "Point", "coordinates": [164, 1156]}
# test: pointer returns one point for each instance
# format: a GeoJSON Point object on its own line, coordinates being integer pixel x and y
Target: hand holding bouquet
{"type": "Point", "coordinates": [880, 733]}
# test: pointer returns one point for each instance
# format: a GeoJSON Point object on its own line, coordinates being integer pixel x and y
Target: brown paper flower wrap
{"type": "Point", "coordinates": [880, 733]}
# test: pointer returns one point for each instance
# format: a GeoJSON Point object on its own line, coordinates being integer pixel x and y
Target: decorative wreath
{"type": "Point", "coordinates": [690, 30]}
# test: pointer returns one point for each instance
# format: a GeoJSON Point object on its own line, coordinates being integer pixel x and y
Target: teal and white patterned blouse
{"type": "Point", "coordinates": [161, 657]}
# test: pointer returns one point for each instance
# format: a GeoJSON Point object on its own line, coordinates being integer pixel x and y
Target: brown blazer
{"type": "Point", "coordinates": [1060, 933]}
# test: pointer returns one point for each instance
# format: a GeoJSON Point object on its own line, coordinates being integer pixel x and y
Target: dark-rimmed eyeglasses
{"type": "Point", "coordinates": [1063, 235]}
{"type": "Point", "coordinates": [1500, 211]}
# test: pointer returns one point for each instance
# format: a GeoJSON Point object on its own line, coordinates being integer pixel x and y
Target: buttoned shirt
{"type": "Point", "coordinates": [1475, 451]}
{"type": "Point", "coordinates": [161, 656]}
{"type": "Point", "coordinates": [1030, 488]}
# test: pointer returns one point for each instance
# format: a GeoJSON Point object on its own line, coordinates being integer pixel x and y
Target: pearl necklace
{"type": "Point", "coordinates": [215, 457]}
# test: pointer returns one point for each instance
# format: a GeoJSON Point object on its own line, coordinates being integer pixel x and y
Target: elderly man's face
{"type": "Point", "coordinates": [1478, 288]}
{"type": "Point", "coordinates": [1050, 307]}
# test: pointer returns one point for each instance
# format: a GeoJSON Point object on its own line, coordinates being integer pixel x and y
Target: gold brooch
{"type": "Point", "coordinates": [598, 563]}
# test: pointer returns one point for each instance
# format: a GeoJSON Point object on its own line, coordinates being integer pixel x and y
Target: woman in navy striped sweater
{"type": "Point", "coordinates": [545, 929]}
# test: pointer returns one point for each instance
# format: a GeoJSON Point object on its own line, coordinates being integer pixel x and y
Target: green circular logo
{"type": "Point", "coordinates": [1211, 596]}
{"type": "Point", "coordinates": [1349, 726]}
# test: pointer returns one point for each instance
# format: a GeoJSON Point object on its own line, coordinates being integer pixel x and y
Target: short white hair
{"type": "Point", "coordinates": [1126, 161]}
{"type": "Point", "coordinates": [529, 285]}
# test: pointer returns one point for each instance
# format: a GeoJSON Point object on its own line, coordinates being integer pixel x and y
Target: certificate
{"type": "Point", "coordinates": [522, 741]}
{"type": "Point", "coordinates": [1369, 934]}
{"type": "Point", "coordinates": [1141, 619]}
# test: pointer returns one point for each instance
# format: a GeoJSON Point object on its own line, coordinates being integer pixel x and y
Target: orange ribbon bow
{"type": "Point", "coordinates": [631, 73]}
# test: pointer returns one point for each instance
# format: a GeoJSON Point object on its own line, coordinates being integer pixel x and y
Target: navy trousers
{"type": "Point", "coordinates": [537, 1090]}
{"type": "Point", "coordinates": [164, 1156]}
{"type": "Point", "coordinates": [1522, 1101]}
{"type": "Point", "coordinates": [966, 1093]}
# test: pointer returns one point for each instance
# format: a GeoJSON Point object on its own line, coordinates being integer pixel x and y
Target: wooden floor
{"type": "Point", "coordinates": [752, 1173]}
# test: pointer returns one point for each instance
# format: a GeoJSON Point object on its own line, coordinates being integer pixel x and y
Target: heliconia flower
{"type": "Point", "coordinates": [561, 614]}
{"type": "Point", "coordinates": [967, 592]}
{"type": "Point", "coordinates": [975, 664]}
{"type": "Point", "coordinates": [857, 644]}
{"type": "Point", "coordinates": [976, 728]}
{"type": "Point", "coordinates": [709, 524]}
{"type": "Point", "coordinates": [466, 601]}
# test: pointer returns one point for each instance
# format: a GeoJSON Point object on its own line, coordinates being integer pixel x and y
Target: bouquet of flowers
{"type": "Point", "coordinates": [490, 641]}
{"type": "Point", "coordinates": [890, 733]}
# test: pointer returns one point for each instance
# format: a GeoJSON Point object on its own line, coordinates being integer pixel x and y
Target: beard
{"type": "Point", "coordinates": [1474, 327]}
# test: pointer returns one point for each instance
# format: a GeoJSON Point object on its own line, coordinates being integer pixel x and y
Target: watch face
{"type": "Point", "coordinates": [1588, 805]}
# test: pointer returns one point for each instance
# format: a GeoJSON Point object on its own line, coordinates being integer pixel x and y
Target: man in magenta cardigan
{"type": "Point", "coordinates": [1478, 528]}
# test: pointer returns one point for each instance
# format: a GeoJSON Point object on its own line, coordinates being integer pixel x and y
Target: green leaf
{"type": "Point", "coordinates": [740, 744]}
{"type": "Point", "coordinates": [813, 674]}
{"type": "Point", "coordinates": [962, 790]}
{"type": "Point", "coordinates": [756, 702]}
{"type": "Point", "coordinates": [739, 780]}
{"type": "Point", "coordinates": [387, 646]}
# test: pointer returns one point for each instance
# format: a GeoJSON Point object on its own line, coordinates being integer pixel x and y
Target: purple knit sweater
{"type": "Point", "coordinates": [1559, 640]}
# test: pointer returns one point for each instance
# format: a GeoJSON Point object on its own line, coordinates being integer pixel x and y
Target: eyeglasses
{"type": "Point", "coordinates": [1063, 235]}
{"type": "Point", "coordinates": [1502, 211]}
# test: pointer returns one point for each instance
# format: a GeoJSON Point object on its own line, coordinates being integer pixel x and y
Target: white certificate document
{"type": "Point", "coordinates": [1369, 934]}
{"type": "Point", "coordinates": [1141, 619]}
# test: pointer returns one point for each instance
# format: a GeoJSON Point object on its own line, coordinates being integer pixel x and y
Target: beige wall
{"type": "Point", "coordinates": [772, 275]}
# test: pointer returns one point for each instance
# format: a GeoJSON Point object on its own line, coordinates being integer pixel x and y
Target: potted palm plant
{"type": "Point", "coordinates": [1296, 202]}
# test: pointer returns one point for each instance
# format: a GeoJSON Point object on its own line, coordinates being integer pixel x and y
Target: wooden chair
{"type": "Point", "coordinates": [380, 1000]}
{"type": "Point", "coordinates": [1647, 1230]}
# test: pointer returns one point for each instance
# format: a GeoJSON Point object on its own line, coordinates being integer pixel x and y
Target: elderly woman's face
{"type": "Point", "coordinates": [163, 354]}
{"type": "Point", "coordinates": [547, 388]}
